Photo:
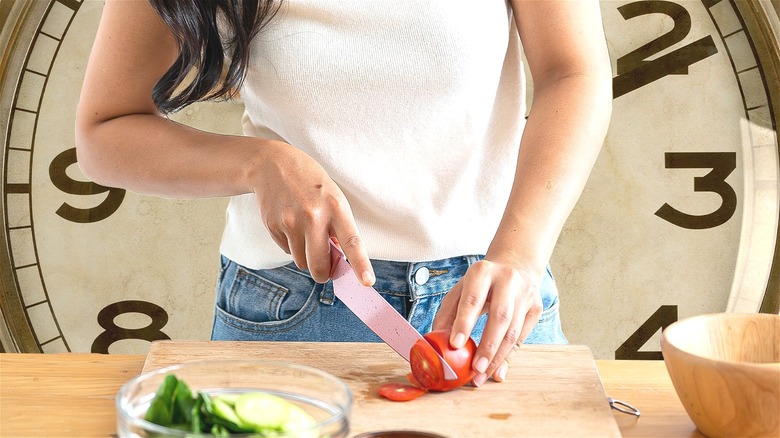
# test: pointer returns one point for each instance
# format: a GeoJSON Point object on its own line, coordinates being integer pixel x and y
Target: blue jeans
{"type": "Point", "coordinates": [286, 304]}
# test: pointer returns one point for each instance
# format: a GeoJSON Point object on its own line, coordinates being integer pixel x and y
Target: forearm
{"type": "Point", "coordinates": [562, 138]}
{"type": "Point", "coordinates": [150, 154]}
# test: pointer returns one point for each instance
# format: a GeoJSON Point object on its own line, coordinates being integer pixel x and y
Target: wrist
{"type": "Point", "coordinates": [533, 267]}
{"type": "Point", "coordinates": [263, 159]}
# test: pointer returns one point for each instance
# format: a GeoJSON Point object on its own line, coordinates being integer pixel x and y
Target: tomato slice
{"type": "Point", "coordinates": [413, 380]}
{"type": "Point", "coordinates": [400, 392]}
{"type": "Point", "coordinates": [426, 366]}
{"type": "Point", "coordinates": [427, 370]}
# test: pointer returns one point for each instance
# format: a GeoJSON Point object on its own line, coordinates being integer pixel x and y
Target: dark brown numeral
{"type": "Point", "coordinates": [60, 178]}
{"type": "Point", "coordinates": [662, 318]}
{"type": "Point", "coordinates": [722, 164]}
{"type": "Point", "coordinates": [635, 71]}
{"type": "Point", "coordinates": [113, 333]}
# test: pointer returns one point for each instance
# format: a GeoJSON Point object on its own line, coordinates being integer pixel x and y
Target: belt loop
{"type": "Point", "coordinates": [410, 284]}
{"type": "Point", "coordinates": [471, 259]}
{"type": "Point", "coordinates": [327, 296]}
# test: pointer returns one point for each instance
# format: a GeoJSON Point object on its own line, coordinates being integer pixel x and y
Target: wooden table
{"type": "Point", "coordinates": [73, 395]}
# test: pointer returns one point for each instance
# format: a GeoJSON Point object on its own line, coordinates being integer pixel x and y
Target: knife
{"type": "Point", "coordinates": [379, 315]}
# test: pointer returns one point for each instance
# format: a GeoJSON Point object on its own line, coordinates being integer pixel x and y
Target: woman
{"type": "Point", "coordinates": [395, 127]}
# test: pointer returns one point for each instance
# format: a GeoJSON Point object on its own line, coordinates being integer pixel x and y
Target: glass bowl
{"type": "Point", "coordinates": [323, 396]}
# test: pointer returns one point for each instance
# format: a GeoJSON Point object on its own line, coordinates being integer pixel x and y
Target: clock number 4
{"type": "Point", "coordinates": [662, 318]}
{"type": "Point", "coordinates": [635, 71]}
{"type": "Point", "coordinates": [60, 178]}
{"type": "Point", "coordinates": [722, 164]}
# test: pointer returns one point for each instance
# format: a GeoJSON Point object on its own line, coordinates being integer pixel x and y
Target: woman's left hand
{"type": "Point", "coordinates": [512, 300]}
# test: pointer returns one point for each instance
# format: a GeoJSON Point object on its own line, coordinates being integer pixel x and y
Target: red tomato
{"type": "Point", "coordinates": [427, 368]}
{"type": "Point", "coordinates": [400, 392]}
{"type": "Point", "coordinates": [413, 380]}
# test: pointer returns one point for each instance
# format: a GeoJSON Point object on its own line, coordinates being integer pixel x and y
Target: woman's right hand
{"type": "Point", "coordinates": [303, 208]}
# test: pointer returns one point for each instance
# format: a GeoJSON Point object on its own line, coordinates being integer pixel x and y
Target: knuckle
{"type": "Point", "coordinates": [314, 214]}
{"type": "Point", "coordinates": [472, 300]}
{"type": "Point", "coordinates": [480, 267]}
{"type": "Point", "coordinates": [337, 203]}
{"type": "Point", "coordinates": [288, 221]}
{"type": "Point", "coordinates": [512, 336]}
{"type": "Point", "coordinates": [502, 315]}
{"type": "Point", "coordinates": [351, 242]}
{"type": "Point", "coordinates": [489, 345]}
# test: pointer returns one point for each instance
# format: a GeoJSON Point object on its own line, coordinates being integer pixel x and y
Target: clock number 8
{"type": "Point", "coordinates": [113, 332]}
{"type": "Point", "coordinates": [59, 177]}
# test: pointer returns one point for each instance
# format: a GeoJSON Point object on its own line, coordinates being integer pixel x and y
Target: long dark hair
{"type": "Point", "coordinates": [202, 51]}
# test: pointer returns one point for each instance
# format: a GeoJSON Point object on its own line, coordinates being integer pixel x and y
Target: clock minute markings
{"type": "Point", "coordinates": [18, 188]}
{"type": "Point", "coordinates": [72, 4]}
{"type": "Point", "coordinates": [37, 308]}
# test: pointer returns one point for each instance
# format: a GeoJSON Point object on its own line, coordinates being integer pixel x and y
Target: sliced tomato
{"type": "Point", "coordinates": [400, 392]}
{"type": "Point", "coordinates": [427, 368]}
{"type": "Point", "coordinates": [413, 380]}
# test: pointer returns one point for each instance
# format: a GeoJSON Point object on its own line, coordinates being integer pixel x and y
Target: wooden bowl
{"type": "Point", "coordinates": [726, 370]}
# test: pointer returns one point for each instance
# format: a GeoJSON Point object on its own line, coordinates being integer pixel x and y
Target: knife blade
{"type": "Point", "coordinates": [379, 315]}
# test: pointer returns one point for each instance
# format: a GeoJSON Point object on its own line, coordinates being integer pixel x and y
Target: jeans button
{"type": "Point", "coordinates": [422, 275]}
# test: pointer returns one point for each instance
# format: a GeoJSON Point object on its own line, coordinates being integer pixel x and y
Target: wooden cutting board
{"type": "Point", "coordinates": [549, 390]}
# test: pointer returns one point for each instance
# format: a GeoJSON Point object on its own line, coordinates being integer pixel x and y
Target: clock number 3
{"type": "Point", "coordinates": [635, 71]}
{"type": "Point", "coordinates": [722, 164]}
{"type": "Point", "coordinates": [60, 178]}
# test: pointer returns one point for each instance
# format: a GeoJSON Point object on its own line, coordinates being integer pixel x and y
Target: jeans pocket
{"type": "Point", "coordinates": [252, 297]}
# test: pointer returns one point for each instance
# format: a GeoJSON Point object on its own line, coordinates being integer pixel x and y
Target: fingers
{"type": "Point", "coordinates": [513, 305]}
{"type": "Point", "coordinates": [317, 255]}
{"type": "Point", "coordinates": [350, 242]}
{"type": "Point", "coordinates": [514, 336]}
{"type": "Point", "coordinates": [307, 241]}
{"type": "Point", "coordinates": [303, 208]}
{"type": "Point", "coordinates": [500, 374]}
{"type": "Point", "coordinates": [472, 298]}
{"type": "Point", "coordinates": [528, 316]}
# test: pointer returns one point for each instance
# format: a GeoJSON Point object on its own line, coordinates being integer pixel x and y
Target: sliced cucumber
{"type": "Point", "coordinates": [226, 412]}
{"type": "Point", "coordinates": [262, 411]}
{"type": "Point", "coordinates": [229, 397]}
{"type": "Point", "coordinates": [300, 424]}
{"type": "Point", "coordinates": [177, 407]}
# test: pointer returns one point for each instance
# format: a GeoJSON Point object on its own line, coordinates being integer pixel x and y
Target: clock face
{"type": "Point", "coordinates": [678, 218]}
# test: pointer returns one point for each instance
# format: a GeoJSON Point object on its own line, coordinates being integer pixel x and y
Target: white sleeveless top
{"type": "Point", "coordinates": [415, 109]}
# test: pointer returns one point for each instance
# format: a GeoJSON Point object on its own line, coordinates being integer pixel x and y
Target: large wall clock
{"type": "Point", "coordinates": [680, 216]}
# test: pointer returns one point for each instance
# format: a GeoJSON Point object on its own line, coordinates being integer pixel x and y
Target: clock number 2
{"type": "Point", "coordinates": [722, 164]}
{"type": "Point", "coordinates": [113, 332]}
{"type": "Point", "coordinates": [60, 178]}
{"type": "Point", "coordinates": [635, 71]}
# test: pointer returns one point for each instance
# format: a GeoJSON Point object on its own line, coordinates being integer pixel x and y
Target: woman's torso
{"type": "Point", "coordinates": [414, 108]}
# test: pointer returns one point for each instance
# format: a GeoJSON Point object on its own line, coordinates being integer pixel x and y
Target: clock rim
{"type": "Point", "coordinates": [761, 18]}
{"type": "Point", "coordinates": [16, 331]}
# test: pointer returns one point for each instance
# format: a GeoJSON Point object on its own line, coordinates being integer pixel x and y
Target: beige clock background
{"type": "Point", "coordinates": [149, 266]}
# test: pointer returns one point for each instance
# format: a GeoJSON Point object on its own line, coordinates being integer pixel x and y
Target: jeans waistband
{"type": "Point", "coordinates": [415, 279]}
